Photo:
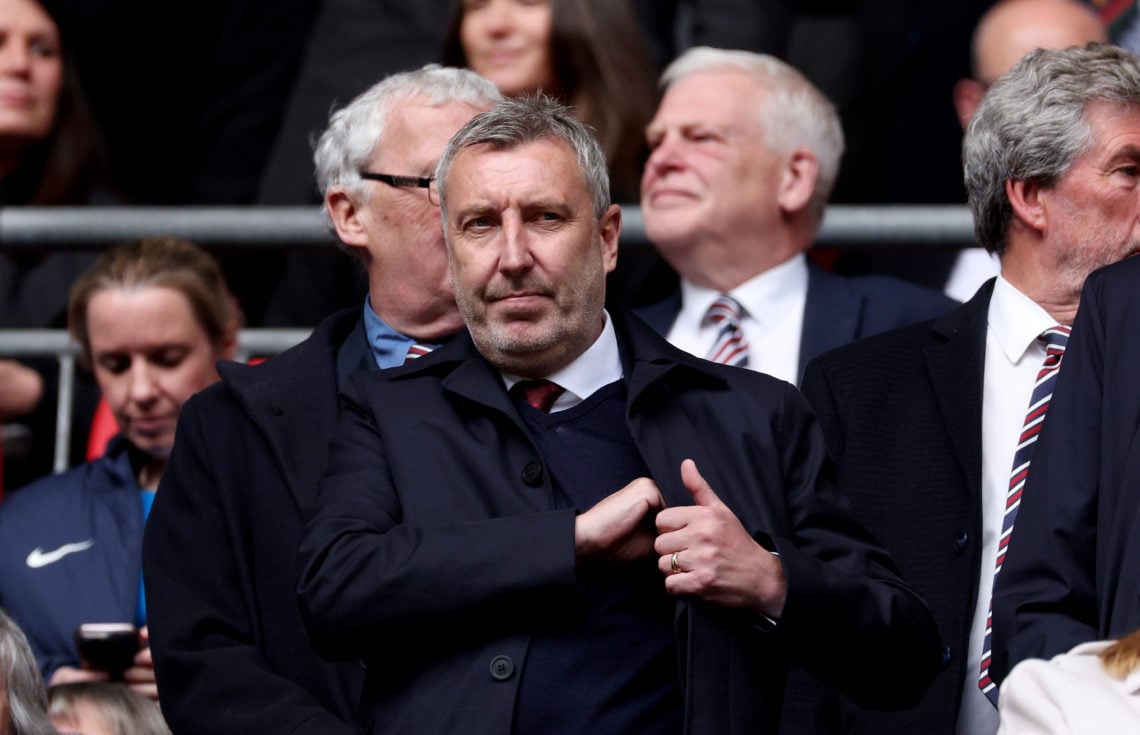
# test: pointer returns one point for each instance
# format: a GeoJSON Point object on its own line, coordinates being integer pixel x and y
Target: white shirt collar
{"type": "Point", "coordinates": [1016, 320]}
{"type": "Point", "coordinates": [595, 368]}
{"type": "Point", "coordinates": [765, 297]}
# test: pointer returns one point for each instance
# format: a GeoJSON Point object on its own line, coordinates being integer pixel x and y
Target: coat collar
{"type": "Point", "coordinates": [647, 359]}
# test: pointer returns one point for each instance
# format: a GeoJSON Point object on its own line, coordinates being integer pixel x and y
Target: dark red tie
{"type": "Point", "coordinates": [539, 393]}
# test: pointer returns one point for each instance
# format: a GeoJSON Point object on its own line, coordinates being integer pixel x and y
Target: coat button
{"type": "Point", "coordinates": [961, 543]}
{"type": "Point", "coordinates": [947, 656]}
{"type": "Point", "coordinates": [502, 668]}
{"type": "Point", "coordinates": [532, 474]}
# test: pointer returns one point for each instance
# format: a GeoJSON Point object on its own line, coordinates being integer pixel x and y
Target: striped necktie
{"type": "Point", "coordinates": [1055, 340]}
{"type": "Point", "coordinates": [540, 394]}
{"type": "Point", "coordinates": [730, 347]}
{"type": "Point", "coordinates": [417, 350]}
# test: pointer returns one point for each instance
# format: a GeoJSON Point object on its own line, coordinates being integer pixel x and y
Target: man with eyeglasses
{"type": "Point", "coordinates": [231, 653]}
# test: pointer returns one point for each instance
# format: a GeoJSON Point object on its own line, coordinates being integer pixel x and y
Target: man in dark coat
{"type": "Point", "coordinates": [559, 522]}
{"type": "Point", "coordinates": [745, 153]}
{"type": "Point", "coordinates": [1072, 574]}
{"type": "Point", "coordinates": [231, 654]}
{"type": "Point", "coordinates": [924, 422]}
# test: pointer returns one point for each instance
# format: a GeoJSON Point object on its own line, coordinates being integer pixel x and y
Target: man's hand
{"type": "Point", "coordinates": [620, 527]}
{"type": "Point", "coordinates": [706, 552]}
{"type": "Point", "coordinates": [140, 676]}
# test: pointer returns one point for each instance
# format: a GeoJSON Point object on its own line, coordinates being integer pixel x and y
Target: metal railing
{"type": "Point", "coordinates": [57, 343]}
{"type": "Point", "coordinates": [28, 230]}
{"type": "Point", "coordinates": [44, 228]}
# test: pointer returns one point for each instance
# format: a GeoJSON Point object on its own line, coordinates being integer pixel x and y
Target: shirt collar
{"type": "Point", "coordinates": [1016, 320]}
{"type": "Point", "coordinates": [764, 297]}
{"type": "Point", "coordinates": [595, 368]}
{"type": "Point", "coordinates": [389, 347]}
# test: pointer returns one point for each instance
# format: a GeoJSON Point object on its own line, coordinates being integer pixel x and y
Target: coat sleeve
{"type": "Point", "coordinates": [849, 617]}
{"type": "Point", "coordinates": [366, 575]}
{"type": "Point", "coordinates": [1044, 600]}
{"type": "Point", "coordinates": [212, 675]}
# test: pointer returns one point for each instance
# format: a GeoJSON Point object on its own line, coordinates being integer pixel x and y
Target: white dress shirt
{"type": "Point", "coordinates": [595, 368]}
{"type": "Point", "coordinates": [972, 268]}
{"type": "Point", "coordinates": [1013, 358]}
{"type": "Point", "coordinates": [773, 321]}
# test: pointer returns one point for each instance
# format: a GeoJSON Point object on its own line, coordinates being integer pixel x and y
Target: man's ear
{"type": "Point", "coordinates": [346, 217]}
{"type": "Point", "coordinates": [609, 228]}
{"type": "Point", "coordinates": [797, 184]}
{"type": "Point", "coordinates": [1025, 197]}
{"type": "Point", "coordinates": [968, 95]}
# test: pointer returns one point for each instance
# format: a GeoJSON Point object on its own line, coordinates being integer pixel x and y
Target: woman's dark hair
{"type": "Point", "coordinates": [69, 166]}
{"type": "Point", "coordinates": [604, 72]}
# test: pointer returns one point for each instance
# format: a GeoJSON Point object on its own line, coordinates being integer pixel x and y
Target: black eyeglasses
{"type": "Point", "coordinates": [406, 182]}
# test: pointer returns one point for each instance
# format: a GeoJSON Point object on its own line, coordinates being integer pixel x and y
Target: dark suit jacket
{"type": "Point", "coordinates": [435, 544]}
{"type": "Point", "coordinates": [1072, 573]}
{"type": "Point", "coordinates": [902, 413]}
{"type": "Point", "coordinates": [230, 651]}
{"type": "Point", "coordinates": [838, 310]}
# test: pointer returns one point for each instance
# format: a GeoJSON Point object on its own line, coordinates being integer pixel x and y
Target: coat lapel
{"type": "Point", "coordinates": [955, 363]}
{"type": "Point", "coordinates": [293, 398]}
{"type": "Point", "coordinates": [831, 315]}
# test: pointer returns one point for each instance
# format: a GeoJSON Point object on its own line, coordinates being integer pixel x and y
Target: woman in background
{"type": "Point", "coordinates": [152, 317]}
{"type": "Point", "coordinates": [50, 155]}
{"type": "Point", "coordinates": [1094, 689]}
{"type": "Point", "coordinates": [588, 53]}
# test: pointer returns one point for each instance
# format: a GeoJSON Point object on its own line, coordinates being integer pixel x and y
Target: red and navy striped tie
{"type": "Point", "coordinates": [730, 348]}
{"type": "Point", "coordinates": [1055, 340]}
{"type": "Point", "coordinates": [417, 350]}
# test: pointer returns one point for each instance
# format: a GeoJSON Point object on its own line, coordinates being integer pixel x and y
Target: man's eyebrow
{"type": "Point", "coordinates": [1130, 151]}
{"type": "Point", "coordinates": [474, 209]}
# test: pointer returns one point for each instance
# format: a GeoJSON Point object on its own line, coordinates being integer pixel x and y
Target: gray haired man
{"type": "Point", "coordinates": [559, 522]}
{"type": "Point", "coordinates": [932, 426]}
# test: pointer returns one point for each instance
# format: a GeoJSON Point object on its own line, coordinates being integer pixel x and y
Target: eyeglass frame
{"type": "Point", "coordinates": [405, 182]}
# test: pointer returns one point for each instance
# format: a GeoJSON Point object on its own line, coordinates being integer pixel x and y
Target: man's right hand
{"type": "Point", "coordinates": [620, 528]}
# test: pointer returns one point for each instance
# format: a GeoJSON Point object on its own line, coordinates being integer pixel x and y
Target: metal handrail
{"type": "Point", "coordinates": [57, 343]}
{"type": "Point", "coordinates": [32, 229]}
{"type": "Point", "coordinates": [29, 230]}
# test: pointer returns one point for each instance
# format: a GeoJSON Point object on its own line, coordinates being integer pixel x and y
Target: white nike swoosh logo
{"type": "Point", "coordinates": [39, 558]}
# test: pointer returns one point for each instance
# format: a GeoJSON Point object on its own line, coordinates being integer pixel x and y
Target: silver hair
{"type": "Point", "coordinates": [355, 130]}
{"type": "Point", "coordinates": [527, 119]}
{"type": "Point", "coordinates": [794, 112]}
{"type": "Point", "coordinates": [122, 710]}
{"type": "Point", "coordinates": [1032, 125]}
{"type": "Point", "coordinates": [20, 676]}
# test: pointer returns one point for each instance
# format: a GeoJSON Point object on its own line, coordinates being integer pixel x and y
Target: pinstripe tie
{"type": "Point", "coordinates": [1055, 340]}
{"type": "Point", "coordinates": [731, 347]}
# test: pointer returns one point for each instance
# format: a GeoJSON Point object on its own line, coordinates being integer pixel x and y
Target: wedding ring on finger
{"type": "Point", "coordinates": [673, 563]}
